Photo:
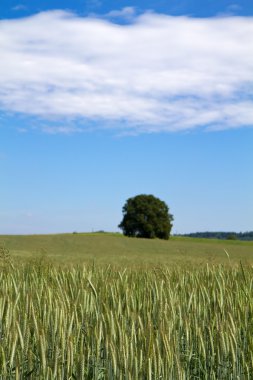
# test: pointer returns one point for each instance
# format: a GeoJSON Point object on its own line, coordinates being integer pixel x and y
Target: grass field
{"type": "Point", "coordinates": [131, 309]}
{"type": "Point", "coordinates": [114, 249]}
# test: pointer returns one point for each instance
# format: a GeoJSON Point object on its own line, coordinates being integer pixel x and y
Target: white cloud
{"type": "Point", "coordinates": [125, 13]}
{"type": "Point", "coordinates": [159, 73]}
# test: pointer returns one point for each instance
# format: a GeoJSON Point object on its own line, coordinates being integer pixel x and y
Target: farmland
{"type": "Point", "coordinates": [119, 251]}
{"type": "Point", "coordinates": [102, 306]}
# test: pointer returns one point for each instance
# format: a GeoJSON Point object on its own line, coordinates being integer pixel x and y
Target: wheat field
{"type": "Point", "coordinates": [88, 322]}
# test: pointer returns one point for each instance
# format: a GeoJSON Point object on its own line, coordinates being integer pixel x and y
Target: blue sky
{"type": "Point", "coordinates": [101, 101]}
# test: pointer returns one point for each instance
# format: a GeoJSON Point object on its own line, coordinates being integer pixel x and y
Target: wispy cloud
{"type": "Point", "coordinates": [158, 73]}
{"type": "Point", "coordinates": [231, 10]}
{"type": "Point", "coordinates": [127, 13]}
{"type": "Point", "coordinates": [234, 7]}
{"type": "Point", "coordinates": [19, 7]}
{"type": "Point", "coordinates": [63, 129]}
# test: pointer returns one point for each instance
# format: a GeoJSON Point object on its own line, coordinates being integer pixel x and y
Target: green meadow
{"type": "Point", "coordinates": [106, 307]}
{"type": "Point", "coordinates": [120, 251]}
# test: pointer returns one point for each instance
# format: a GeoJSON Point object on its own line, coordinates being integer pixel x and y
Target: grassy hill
{"type": "Point", "coordinates": [117, 250]}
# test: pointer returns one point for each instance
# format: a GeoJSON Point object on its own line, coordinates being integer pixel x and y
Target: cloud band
{"type": "Point", "coordinates": [158, 73]}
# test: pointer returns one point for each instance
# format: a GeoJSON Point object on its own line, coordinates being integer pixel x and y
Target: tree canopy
{"type": "Point", "coordinates": [246, 236]}
{"type": "Point", "coordinates": [146, 216]}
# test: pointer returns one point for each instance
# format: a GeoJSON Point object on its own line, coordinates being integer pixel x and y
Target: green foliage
{"type": "Point", "coordinates": [146, 216]}
{"type": "Point", "coordinates": [246, 236]}
{"type": "Point", "coordinates": [231, 237]}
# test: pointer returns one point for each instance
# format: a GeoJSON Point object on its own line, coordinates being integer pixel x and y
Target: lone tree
{"type": "Point", "coordinates": [146, 216]}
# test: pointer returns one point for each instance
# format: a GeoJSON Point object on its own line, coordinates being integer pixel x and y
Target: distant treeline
{"type": "Point", "coordinates": [221, 235]}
